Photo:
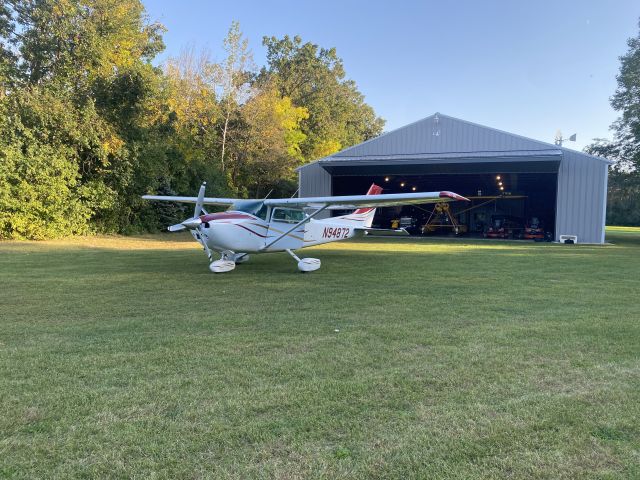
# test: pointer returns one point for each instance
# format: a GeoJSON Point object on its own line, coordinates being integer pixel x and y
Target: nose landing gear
{"type": "Point", "coordinates": [228, 261]}
{"type": "Point", "coordinates": [225, 264]}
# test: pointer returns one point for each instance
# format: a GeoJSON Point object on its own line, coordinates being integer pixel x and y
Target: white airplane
{"type": "Point", "coordinates": [281, 224]}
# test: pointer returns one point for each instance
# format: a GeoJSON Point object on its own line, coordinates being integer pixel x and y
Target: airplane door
{"type": "Point", "coordinates": [282, 219]}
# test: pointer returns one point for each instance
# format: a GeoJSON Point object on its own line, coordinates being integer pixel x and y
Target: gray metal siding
{"type": "Point", "coordinates": [582, 197]}
{"type": "Point", "coordinates": [314, 181]}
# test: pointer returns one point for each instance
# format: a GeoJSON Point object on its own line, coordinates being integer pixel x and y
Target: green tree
{"type": "Point", "coordinates": [233, 77]}
{"type": "Point", "coordinates": [626, 100]}
{"type": "Point", "coordinates": [94, 57]}
{"type": "Point", "coordinates": [76, 42]}
{"type": "Point", "coordinates": [40, 192]}
{"type": "Point", "coordinates": [314, 78]}
{"type": "Point", "coordinates": [267, 148]}
{"type": "Point", "coordinates": [624, 181]}
{"type": "Point", "coordinates": [623, 201]}
{"type": "Point", "coordinates": [7, 57]}
{"type": "Point", "coordinates": [195, 116]}
{"type": "Point", "coordinates": [248, 135]}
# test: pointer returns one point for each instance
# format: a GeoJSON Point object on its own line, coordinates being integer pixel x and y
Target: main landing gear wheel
{"type": "Point", "coordinates": [309, 264]}
{"type": "Point", "coordinates": [306, 264]}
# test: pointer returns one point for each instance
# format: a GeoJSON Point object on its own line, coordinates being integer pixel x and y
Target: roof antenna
{"type": "Point", "coordinates": [436, 126]}
{"type": "Point", "coordinates": [559, 138]}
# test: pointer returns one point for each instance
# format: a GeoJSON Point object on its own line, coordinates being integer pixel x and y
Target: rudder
{"type": "Point", "coordinates": [365, 215]}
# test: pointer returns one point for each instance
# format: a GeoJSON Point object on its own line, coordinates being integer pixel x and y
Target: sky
{"type": "Point", "coordinates": [530, 68]}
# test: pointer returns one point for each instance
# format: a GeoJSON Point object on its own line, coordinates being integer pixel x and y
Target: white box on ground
{"type": "Point", "coordinates": [568, 239]}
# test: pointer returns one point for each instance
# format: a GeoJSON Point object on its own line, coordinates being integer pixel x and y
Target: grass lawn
{"type": "Point", "coordinates": [399, 358]}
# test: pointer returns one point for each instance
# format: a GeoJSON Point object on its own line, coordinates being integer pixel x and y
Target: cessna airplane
{"type": "Point", "coordinates": [282, 225]}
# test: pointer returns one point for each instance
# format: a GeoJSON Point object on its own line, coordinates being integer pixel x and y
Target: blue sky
{"type": "Point", "coordinates": [526, 67]}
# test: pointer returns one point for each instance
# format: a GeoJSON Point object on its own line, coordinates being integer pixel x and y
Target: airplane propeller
{"type": "Point", "coordinates": [193, 222]}
{"type": "Point", "coordinates": [200, 201]}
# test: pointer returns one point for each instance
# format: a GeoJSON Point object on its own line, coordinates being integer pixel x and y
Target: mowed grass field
{"type": "Point", "coordinates": [400, 358]}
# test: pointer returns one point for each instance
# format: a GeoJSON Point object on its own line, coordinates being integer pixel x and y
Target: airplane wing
{"type": "Point", "coordinates": [344, 202]}
{"type": "Point", "coordinates": [206, 201]}
{"type": "Point", "coordinates": [347, 202]}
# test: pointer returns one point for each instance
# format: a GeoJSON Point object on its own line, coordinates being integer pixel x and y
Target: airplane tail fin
{"type": "Point", "coordinates": [364, 216]}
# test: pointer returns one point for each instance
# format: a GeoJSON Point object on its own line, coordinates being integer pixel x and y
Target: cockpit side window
{"type": "Point", "coordinates": [287, 215]}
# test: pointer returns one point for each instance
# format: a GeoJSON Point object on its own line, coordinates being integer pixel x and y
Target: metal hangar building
{"type": "Point", "coordinates": [507, 177]}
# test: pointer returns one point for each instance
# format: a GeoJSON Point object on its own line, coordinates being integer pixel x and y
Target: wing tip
{"type": "Point", "coordinates": [453, 196]}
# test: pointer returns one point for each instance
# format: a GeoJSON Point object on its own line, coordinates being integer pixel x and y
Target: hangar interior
{"type": "Point", "coordinates": [523, 197]}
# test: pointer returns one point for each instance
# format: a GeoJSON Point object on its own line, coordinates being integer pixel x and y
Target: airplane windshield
{"type": "Point", "coordinates": [259, 209]}
{"type": "Point", "coordinates": [262, 212]}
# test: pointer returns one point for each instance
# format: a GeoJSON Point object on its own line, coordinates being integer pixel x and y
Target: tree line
{"type": "Point", "coordinates": [88, 123]}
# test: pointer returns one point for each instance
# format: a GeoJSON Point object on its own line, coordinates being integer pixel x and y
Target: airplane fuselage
{"type": "Point", "coordinates": [281, 225]}
{"type": "Point", "coordinates": [244, 232]}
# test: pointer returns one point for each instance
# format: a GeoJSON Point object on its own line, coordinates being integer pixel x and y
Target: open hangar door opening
{"type": "Point", "coordinates": [509, 205]}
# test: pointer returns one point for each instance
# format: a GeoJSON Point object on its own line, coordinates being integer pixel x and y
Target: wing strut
{"type": "Point", "coordinates": [302, 222]}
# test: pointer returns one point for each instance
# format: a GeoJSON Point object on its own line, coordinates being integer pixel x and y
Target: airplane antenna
{"type": "Point", "coordinates": [295, 193]}
{"type": "Point", "coordinates": [267, 195]}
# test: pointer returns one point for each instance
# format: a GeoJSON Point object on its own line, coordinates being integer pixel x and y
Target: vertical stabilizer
{"type": "Point", "coordinates": [363, 216]}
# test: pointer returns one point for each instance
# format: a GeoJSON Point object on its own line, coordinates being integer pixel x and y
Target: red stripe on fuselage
{"type": "Point", "coordinates": [226, 216]}
{"type": "Point", "coordinates": [249, 230]}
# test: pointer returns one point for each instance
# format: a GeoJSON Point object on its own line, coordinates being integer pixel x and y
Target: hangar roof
{"type": "Point", "coordinates": [440, 138]}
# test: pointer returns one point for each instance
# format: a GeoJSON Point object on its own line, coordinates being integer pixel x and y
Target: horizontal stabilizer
{"type": "Point", "coordinates": [384, 232]}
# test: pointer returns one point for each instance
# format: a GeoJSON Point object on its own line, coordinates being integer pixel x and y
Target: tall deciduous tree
{"type": "Point", "coordinates": [7, 56]}
{"type": "Point", "coordinates": [93, 57]}
{"type": "Point", "coordinates": [234, 80]}
{"type": "Point", "coordinates": [624, 181]}
{"type": "Point", "coordinates": [315, 78]}
{"type": "Point", "coordinates": [195, 116]}
{"type": "Point", "coordinates": [40, 191]}
{"type": "Point", "coordinates": [625, 147]}
{"type": "Point", "coordinates": [626, 100]}
{"type": "Point", "coordinates": [268, 146]}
